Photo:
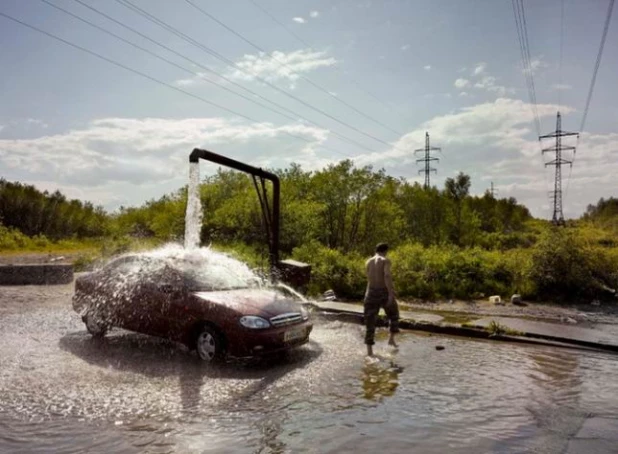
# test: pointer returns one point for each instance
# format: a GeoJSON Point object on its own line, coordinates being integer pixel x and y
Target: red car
{"type": "Point", "coordinates": [194, 301]}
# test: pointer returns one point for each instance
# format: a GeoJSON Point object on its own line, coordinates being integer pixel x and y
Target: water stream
{"type": "Point", "coordinates": [193, 217]}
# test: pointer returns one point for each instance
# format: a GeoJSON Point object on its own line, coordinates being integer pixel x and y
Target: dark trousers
{"type": "Point", "coordinates": [374, 300]}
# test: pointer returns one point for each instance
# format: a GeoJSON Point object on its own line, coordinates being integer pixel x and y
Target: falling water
{"type": "Point", "coordinates": [193, 217]}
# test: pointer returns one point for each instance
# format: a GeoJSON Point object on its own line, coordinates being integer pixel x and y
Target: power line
{"type": "Point", "coordinates": [597, 64]}
{"type": "Point", "coordinates": [303, 77]}
{"type": "Point", "coordinates": [139, 73]}
{"type": "Point", "coordinates": [524, 46]}
{"type": "Point", "coordinates": [306, 44]}
{"type": "Point", "coordinates": [561, 52]}
{"type": "Point", "coordinates": [163, 58]}
{"type": "Point", "coordinates": [334, 133]}
{"type": "Point", "coordinates": [212, 52]}
{"type": "Point", "coordinates": [592, 84]}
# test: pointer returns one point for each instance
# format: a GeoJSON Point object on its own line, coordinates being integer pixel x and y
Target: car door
{"type": "Point", "coordinates": [163, 288]}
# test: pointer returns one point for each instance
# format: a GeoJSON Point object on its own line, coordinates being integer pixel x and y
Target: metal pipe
{"type": "Point", "coordinates": [198, 154]}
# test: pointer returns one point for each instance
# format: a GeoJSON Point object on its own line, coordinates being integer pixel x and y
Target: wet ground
{"type": "Point", "coordinates": [61, 391]}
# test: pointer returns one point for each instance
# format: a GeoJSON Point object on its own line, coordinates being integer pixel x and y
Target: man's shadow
{"type": "Point", "coordinates": [158, 358]}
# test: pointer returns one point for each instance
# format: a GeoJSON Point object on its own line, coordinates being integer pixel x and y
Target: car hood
{"type": "Point", "coordinates": [252, 301]}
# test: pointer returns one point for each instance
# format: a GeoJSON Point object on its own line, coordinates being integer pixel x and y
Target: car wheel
{"type": "Point", "coordinates": [209, 344]}
{"type": "Point", "coordinates": [94, 326]}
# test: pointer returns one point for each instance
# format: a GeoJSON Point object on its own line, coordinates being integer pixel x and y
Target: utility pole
{"type": "Point", "coordinates": [427, 160]}
{"type": "Point", "coordinates": [493, 191]}
{"type": "Point", "coordinates": [558, 162]}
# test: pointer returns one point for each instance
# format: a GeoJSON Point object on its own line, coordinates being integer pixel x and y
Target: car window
{"type": "Point", "coordinates": [209, 277]}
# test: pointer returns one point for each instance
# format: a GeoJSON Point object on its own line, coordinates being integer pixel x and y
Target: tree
{"type": "Point", "coordinates": [457, 190]}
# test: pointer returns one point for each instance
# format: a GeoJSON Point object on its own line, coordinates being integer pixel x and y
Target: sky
{"type": "Point", "coordinates": [275, 82]}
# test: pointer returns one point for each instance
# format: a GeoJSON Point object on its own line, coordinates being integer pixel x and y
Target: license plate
{"type": "Point", "coordinates": [294, 334]}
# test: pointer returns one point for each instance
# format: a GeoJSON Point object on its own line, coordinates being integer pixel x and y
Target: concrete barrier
{"type": "Point", "coordinates": [36, 274]}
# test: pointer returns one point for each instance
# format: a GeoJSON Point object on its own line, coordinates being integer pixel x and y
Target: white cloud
{"type": "Point", "coordinates": [116, 160]}
{"type": "Point", "coordinates": [405, 47]}
{"type": "Point", "coordinates": [299, 20]}
{"type": "Point", "coordinates": [314, 14]}
{"type": "Point", "coordinates": [537, 63]}
{"type": "Point", "coordinates": [479, 69]}
{"type": "Point", "coordinates": [273, 67]}
{"type": "Point", "coordinates": [489, 83]}
{"type": "Point", "coordinates": [427, 67]}
{"type": "Point", "coordinates": [281, 66]}
{"type": "Point", "coordinates": [500, 135]}
{"type": "Point", "coordinates": [461, 83]}
{"type": "Point", "coordinates": [1, 127]}
{"type": "Point", "coordinates": [483, 80]}
{"type": "Point", "coordinates": [561, 87]}
{"type": "Point", "coordinates": [463, 93]}
{"type": "Point", "coordinates": [35, 122]}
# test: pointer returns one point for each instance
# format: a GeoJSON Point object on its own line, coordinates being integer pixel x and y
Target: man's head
{"type": "Point", "coordinates": [382, 248]}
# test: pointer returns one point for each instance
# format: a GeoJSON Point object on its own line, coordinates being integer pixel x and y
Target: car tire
{"type": "Point", "coordinates": [209, 344]}
{"type": "Point", "coordinates": [94, 326]}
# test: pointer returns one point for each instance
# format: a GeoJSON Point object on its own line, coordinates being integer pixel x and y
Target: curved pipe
{"type": "Point", "coordinates": [198, 154]}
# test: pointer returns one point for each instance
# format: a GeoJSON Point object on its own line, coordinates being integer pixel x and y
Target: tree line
{"type": "Point", "coordinates": [445, 242]}
{"type": "Point", "coordinates": [35, 213]}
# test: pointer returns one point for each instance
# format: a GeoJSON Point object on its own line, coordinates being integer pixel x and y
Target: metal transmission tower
{"type": "Point", "coordinates": [558, 162]}
{"type": "Point", "coordinates": [493, 191]}
{"type": "Point", "coordinates": [427, 160]}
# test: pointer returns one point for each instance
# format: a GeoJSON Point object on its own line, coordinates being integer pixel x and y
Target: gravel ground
{"type": "Point", "coordinates": [584, 313]}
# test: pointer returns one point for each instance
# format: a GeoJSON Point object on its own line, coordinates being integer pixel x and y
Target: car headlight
{"type": "Point", "coordinates": [254, 322]}
{"type": "Point", "coordinates": [304, 312]}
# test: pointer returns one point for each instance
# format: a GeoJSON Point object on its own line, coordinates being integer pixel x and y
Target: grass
{"type": "Point", "coordinates": [497, 329]}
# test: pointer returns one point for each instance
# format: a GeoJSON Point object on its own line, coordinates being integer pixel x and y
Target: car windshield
{"type": "Point", "coordinates": [215, 278]}
{"type": "Point", "coordinates": [201, 270]}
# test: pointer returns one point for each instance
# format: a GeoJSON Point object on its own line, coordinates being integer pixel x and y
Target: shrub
{"type": "Point", "coordinates": [565, 267]}
{"type": "Point", "coordinates": [331, 269]}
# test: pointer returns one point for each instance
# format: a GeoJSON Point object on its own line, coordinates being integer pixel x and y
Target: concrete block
{"type": "Point", "coordinates": [47, 274]}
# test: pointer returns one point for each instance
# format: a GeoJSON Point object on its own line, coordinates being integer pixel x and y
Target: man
{"type": "Point", "coordinates": [380, 293]}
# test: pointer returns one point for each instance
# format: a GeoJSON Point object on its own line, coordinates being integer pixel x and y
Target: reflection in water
{"type": "Point", "coordinates": [380, 378]}
{"type": "Point", "coordinates": [139, 393]}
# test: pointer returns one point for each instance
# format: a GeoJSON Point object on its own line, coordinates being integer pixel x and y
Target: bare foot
{"type": "Point", "coordinates": [392, 343]}
{"type": "Point", "coordinates": [370, 351]}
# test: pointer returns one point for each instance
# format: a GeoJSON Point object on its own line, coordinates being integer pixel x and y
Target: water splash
{"type": "Point", "coordinates": [193, 217]}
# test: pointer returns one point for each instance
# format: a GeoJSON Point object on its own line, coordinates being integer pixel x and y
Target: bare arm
{"type": "Point", "coordinates": [388, 280]}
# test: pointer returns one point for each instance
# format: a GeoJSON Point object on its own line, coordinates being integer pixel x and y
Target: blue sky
{"type": "Point", "coordinates": [73, 122]}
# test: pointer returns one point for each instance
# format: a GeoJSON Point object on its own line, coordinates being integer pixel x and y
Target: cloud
{"type": "Point", "coordinates": [463, 93]}
{"type": "Point", "coordinates": [561, 87]}
{"type": "Point", "coordinates": [537, 63]}
{"type": "Point", "coordinates": [282, 66]}
{"type": "Point", "coordinates": [142, 156]}
{"type": "Point", "coordinates": [314, 14]}
{"type": "Point", "coordinates": [427, 67]}
{"type": "Point", "coordinates": [273, 67]}
{"type": "Point", "coordinates": [498, 134]}
{"type": "Point", "coordinates": [299, 20]}
{"type": "Point", "coordinates": [1, 127]}
{"type": "Point", "coordinates": [35, 122]}
{"type": "Point", "coordinates": [489, 83]}
{"type": "Point", "coordinates": [482, 80]}
{"type": "Point", "coordinates": [405, 47]}
{"type": "Point", "coordinates": [479, 69]}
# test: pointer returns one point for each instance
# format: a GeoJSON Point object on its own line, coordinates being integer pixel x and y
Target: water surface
{"type": "Point", "coordinates": [62, 391]}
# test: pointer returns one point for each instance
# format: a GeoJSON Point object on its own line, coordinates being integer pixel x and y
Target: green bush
{"type": "Point", "coordinates": [331, 269]}
{"type": "Point", "coordinates": [566, 267]}
{"type": "Point", "coordinates": [449, 272]}
{"type": "Point", "coordinates": [13, 239]}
